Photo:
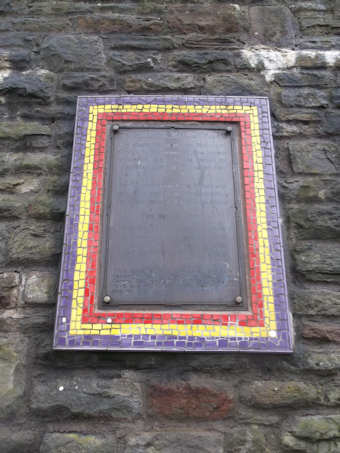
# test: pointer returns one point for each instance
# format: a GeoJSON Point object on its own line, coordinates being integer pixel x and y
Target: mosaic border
{"type": "Point", "coordinates": [266, 329]}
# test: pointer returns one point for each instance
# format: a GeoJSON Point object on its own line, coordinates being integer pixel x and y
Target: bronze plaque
{"type": "Point", "coordinates": [170, 224]}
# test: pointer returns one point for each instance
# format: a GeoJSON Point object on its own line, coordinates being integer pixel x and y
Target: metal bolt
{"type": "Point", "coordinates": [229, 129]}
{"type": "Point", "coordinates": [238, 299]}
{"type": "Point", "coordinates": [107, 299]}
{"type": "Point", "coordinates": [115, 128]}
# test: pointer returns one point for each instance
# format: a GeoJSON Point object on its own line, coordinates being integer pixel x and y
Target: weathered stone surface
{"type": "Point", "coordinates": [297, 78]}
{"type": "Point", "coordinates": [185, 401]}
{"type": "Point", "coordinates": [60, 8]}
{"type": "Point", "coordinates": [53, 112]}
{"type": "Point", "coordinates": [315, 23]}
{"type": "Point", "coordinates": [318, 261]}
{"type": "Point", "coordinates": [38, 84]}
{"type": "Point", "coordinates": [248, 440]}
{"type": "Point", "coordinates": [3, 243]}
{"type": "Point", "coordinates": [6, 26]}
{"type": "Point", "coordinates": [315, 222]}
{"type": "Point", "coordinates": [324, 364]}
{"type": "Point", "coordinates": [310, 189]}
{"type": "Point", "coordinates": [316, 302]}
{"type": "Point", "coordinates": [332, 396]}
{"type": "Point", "coordinates": [47, 207]}
{"type": "Point", "coordinates": [12, 374]}
{"type": "Point", "coordinates": [38, 142]}
{"type": "Point", "coordinates": [85, 81]}
{"type": "Point", "coordinates": [77, 443]}
{"type": "Point", "coordinates": [63, 133]}
{"type": "Point", "coordinates": [14, 58]}
{"type": "Point", "coordinates": [69, 52]}
{"type": "Point", "coordinates": [273, 394]}
{"type": "Point", "coordinates": [316, 427]}
{"type": "Point", "coordinates": [118, 23]}
{"type": "Point", "coordinates": [304, 97]}
{"type": "Point", "coordinates": [318, 42]}
{"type": "Point", "coordinates": [141, 42]}
{"type": "Point", "coordinates": [32, 162]}
{"type": "Point", "coordinates": [57, 184]}
{"type": "Point", "coordinates": [235, 84]}
{"type": "Point", "coordinates": [16, 440]}
{"type": "Point", "coordinates": [335, 97]}
{"type": "Point", "coordinates": [331, 123]}
{"type": "Point", "coordinates": [11, 206]}
{"type": "Point", "coordinates": [19, 129]}
{"type": "Point", "coordinates": [322, 331]}
{"type": "Point", "coordinates": [201, 41]}
{"type": "Point", "coordinates": [130, 61]}
{"type": "Point", "coordinates": [311, 60]}
{"type": "Point", "coordinates": [336, 8]}
{"type": "Point", "coordinates": [16, 184]}
{"type": "Point", "coordinates": [274, 25]}
{"type": "Point", "coordinates": [315, 156]}
{"type": "Point", "coordinates": [41, 287]}
{"type": "Point", "coordinates": [329, 446]}
{"type": "Point", "coordinates": [223, 19]}
{"type": "Point", "coordinates": [28, 319]}
{"type": "Point", "coordinates": [270, 60]}
{"type": "Point", "coordinates": [18, 40]}
{"type": "Point", "coordinates": [41, 25]}
{"type": "Point", "coordinates": [294, 114]}
{"type": "Point", "coordinates": [9, 289]}
{"type": "Point", "coordinates": [202, 61]}
{"type": "Point", "coordinates": [252, 416]}
{"type": "Point", "coordinates": [85, 394]}
{"type": "Point", "coordinates": [284, 130]}
{"type": "Point", "coordinates": [175, 442]}
{"type": "Point", "coordinates": [6, 6]}
{"type": "Point", "coordinates": [35, 242]}
{"type": "Point", "coordinates": [161, 83]}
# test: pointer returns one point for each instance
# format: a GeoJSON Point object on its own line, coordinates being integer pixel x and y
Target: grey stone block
{"type": "Point", "coordinates": [318, 261]}
{"type": "Point", "coordinates": [315, 156]}
{"type": "Point", "coordinates": [39, 84]}
{"type": "Point", "coordinates": [73, 52]}
{"type": "Point", "coordinates": [77, 443]}
{"type": "Point", "coordinates": [41, 287]}
{"type": "Point", "coordinates": [35, 242]}
{"type": "Point", "coordinates": [274, 25]}
{"type": "Point", "coordinates": [175, 442]}
{"type": "Point", "coordinates": [12, 374]}
{"type": "Point", "coordinates": [85, 394]}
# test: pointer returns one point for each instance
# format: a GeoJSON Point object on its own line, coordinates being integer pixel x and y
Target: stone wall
{"type": "Point", "coordinates": [70, 402]}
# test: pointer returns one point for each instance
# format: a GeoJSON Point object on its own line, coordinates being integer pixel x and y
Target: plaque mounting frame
{"type": "Point", "coordinates": [266, 327]}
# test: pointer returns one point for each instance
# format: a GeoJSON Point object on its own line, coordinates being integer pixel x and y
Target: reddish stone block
{"type": "Point", "coordinates": [224, 19]}
{"type": "Point", "coordinates": [184, 401]}
{"type": "Point", "coordinates": [321, 331]}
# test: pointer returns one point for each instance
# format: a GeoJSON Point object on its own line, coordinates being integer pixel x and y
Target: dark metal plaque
{"type": "Point", "coordinates": [170, 225]}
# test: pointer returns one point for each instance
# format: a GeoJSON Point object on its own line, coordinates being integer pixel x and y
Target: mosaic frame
{"type": "Point", "coordinates": [267, 327]}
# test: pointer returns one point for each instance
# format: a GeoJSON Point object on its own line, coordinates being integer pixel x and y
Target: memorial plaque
{"type": "Point", "coordinates": [172, 234]}
{"type": "Point", "coordinates": [170, 226]}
